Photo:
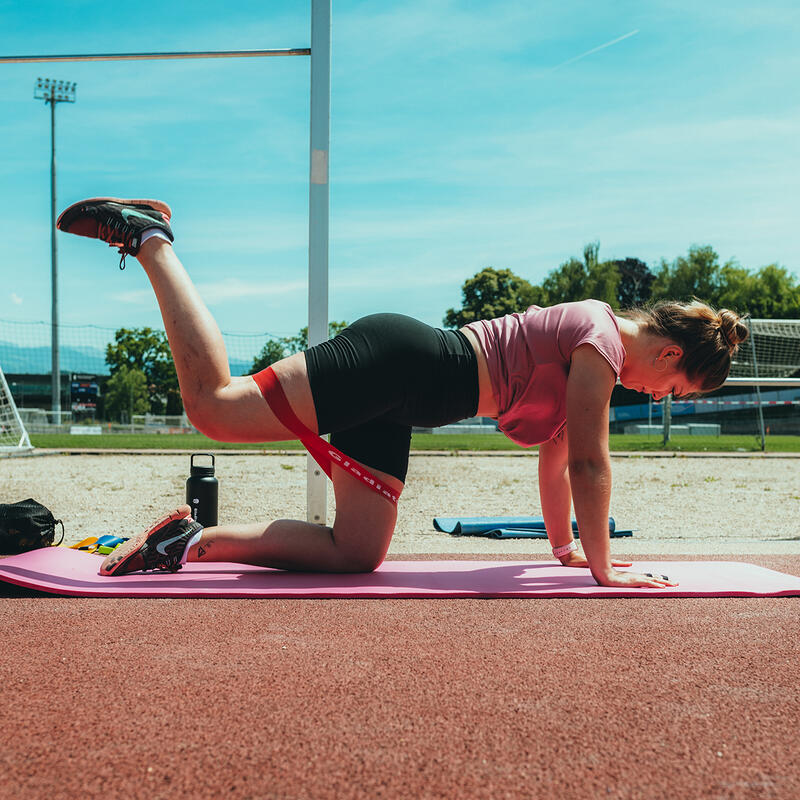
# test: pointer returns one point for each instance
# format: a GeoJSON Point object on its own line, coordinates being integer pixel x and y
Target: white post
{"type": "Point", "coordinates": [318, 201]}
{"type": "Point", "coordinates": [666, 410]}
{"type": "Point", "coordinates": [759, 409]}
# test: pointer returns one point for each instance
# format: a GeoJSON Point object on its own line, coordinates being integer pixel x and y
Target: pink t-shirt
{"type": "Point", "coordinates": [528, 356]}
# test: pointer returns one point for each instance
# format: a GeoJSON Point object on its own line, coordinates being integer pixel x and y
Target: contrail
{"type": "Point", "coordinates": [595, 49]}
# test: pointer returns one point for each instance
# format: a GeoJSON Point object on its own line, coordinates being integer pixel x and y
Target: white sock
{"type": "Point", "coordinates": [192, 542]}
{"type": "Point", "coordinates": [149, 233]}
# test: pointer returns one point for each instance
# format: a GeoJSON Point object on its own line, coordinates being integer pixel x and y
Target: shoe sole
{"type": "Point", "coordinates": [157, 205]}
{"type": "Point", "coordinates": [118, 558]}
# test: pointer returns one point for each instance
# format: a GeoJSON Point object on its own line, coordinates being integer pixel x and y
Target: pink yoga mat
{"type": "Point", "coordinates": [60, 570]}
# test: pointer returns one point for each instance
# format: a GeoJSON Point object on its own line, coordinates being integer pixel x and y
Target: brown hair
{"type": "Point", "coordinates": [708, 338]}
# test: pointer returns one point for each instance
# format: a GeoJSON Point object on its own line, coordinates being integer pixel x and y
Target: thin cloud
{"type": "Point", "coordinates": [220, 291]}
{"type": "Point", "coordinates": [595, 49]}
{"type": "Point", "coordinates": [16, 299]}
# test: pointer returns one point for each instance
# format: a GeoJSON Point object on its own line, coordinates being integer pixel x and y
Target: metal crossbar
{"type": "Point", "coordinates": [774, 382]}
{"type": "Point", "coordinates": [738, 402]}
{"type": "Point", "coordinates": [294, 51]}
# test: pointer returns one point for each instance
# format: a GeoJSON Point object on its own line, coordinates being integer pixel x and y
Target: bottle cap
{"type": "Point", "coordinates": [201, 470]}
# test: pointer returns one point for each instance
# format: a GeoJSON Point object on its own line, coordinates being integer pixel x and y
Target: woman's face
{"type": "Point", "coordinates": [657, 374]}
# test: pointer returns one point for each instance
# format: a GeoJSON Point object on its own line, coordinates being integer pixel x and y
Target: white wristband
{"type": "Point", "coordinates": [564, 549]}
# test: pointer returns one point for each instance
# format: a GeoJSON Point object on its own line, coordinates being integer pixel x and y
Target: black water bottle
{"type": "Point", "coordinates": [202, 491]}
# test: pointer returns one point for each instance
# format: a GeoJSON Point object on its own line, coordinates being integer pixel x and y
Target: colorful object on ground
{"type": "Point", "coordinates": [102, 545]}
{"type": "Point", "coordinates": [111, 541]}
{"type": "Point", "coordinates": [59, 570]}
{"type": "Point", "coordinates": [509, 527]}
{"type": "Point", "coordinates": [89, 543]}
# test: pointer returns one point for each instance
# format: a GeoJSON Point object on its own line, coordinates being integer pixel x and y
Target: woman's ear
{"type": "Point", "coordinates": [670, 352]}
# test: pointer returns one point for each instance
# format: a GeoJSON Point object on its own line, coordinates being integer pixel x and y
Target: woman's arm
{"type": "Point", "coordinates": [589, 387]}
{"type": "Point", "coordinates": [554, 491]}
{"type": "Point", "coordinates": [556, 499]}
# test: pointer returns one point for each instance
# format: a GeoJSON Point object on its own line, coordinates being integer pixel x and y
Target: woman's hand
{"type": "Point", "coordinates": [615, 578]}
{"type": "Point", "coordinates": [577, 559]}
{"type": "Point", "coordinates": [634, 579]}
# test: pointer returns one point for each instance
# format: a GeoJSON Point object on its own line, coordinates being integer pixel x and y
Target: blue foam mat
{"type": "Point", "coordinates": [508, 527]}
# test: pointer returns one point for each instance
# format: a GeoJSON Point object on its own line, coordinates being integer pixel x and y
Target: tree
{"type": "Point", "coordinates": [566, 283]}
{"type": "Point", "coordinates": [775, 294]}
{"type": "Point", "coordinates": [276, 349]}
{"type": "Point", "coordinates": [299, 343]}
{"type": "Point", "coordinates": [737, 289]}
{"type": "Point", "coordinates": [591, 255]}
{"type": "Point", "coordinates": [602, 283]}
{"type": "Point", "coordinates": [635, 282]}
{"type": "Point", "coordinates": [148, 351]}
{"type": "Point", "coordinates": [126, 394]}
{"type": "Point", "coordinates": [771, 292]}
{"type": "Point", "coordinates": [578, 280]}
{"type": "Point", "coordinates": [272, 351]}
{"type": "Point", "coordinates": [698, 274]}
{"type": "Point", "coordinates": [492, 293]}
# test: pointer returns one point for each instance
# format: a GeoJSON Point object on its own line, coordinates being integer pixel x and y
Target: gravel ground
{"type": "Point", "coordinates": [691, 506]}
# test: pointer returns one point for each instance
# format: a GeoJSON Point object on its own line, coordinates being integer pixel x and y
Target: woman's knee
{"type": "Point", "coordinates": [200, 411]}
{"type": "Point", "coordinates": [360, 562]}
{"type": "Point", "coordinates": [228, 413]}
{"type": "Point", "coordinates": [361, 548]}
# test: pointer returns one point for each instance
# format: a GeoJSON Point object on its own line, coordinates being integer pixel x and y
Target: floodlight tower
{"type": "Point", "coordinates": [53, 91]}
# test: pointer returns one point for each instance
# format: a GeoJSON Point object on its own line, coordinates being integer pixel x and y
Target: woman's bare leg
{"type": "Point", "coordinates": [196, 342]}
{"type": "Point", "coordinates": [357, 542]}
{"type": "Point", "coordinates": [223, 407]}
{"type": "Point", "coordinates": [232, 409]}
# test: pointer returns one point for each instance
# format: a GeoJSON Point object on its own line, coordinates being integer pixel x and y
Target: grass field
{"type": "Point", "coordinates": [446, 442]}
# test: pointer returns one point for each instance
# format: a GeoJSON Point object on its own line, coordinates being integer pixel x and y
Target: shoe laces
{"type": "Point", "coordinates": [170, 563]}
{"type": "Point", "coordinates": [116, 235]}
{"type": "Point", "coordinates": [166, 562]}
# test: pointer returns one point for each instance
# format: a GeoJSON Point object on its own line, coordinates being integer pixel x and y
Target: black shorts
{"type": "Point", "coordinates": [383, 374]}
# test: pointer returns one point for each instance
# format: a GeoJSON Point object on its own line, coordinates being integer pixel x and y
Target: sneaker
{"type": "Point", "coordinates": [160, 547]}
{"type": "Point", "coordinates": [118, 222]}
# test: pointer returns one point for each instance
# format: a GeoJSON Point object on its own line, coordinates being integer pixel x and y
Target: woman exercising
{"type": "Point", "coordinates": [545, 375]}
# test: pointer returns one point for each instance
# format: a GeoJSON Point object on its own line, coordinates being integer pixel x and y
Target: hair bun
{"type": "Point", "coordinates": [732, 328]}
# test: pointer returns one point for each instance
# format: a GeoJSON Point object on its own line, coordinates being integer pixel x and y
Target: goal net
{"type": "Point", "coordinates": [13, 436]}
{"type": "Point", "coordinates": [774, 351]}
{"type": "Point", "coordinates": [768, 366]}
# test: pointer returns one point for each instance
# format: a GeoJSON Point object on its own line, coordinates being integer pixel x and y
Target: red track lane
{"type": "Point", "coordinates": [682, 698]}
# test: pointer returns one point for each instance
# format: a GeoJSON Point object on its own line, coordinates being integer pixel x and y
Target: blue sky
{"type": "Point", "coordinates": [464, 135]}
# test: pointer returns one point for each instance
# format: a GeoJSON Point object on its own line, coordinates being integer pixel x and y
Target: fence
{"type": "Point", "coordinates": [25, 348]}
{"type": "Point", "coordinates": [772, 355]}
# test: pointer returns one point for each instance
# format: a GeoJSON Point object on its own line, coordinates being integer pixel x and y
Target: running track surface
{"type": "Point", "coordinates": [681, 698]}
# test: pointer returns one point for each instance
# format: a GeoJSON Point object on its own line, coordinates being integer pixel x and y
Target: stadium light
{"type": "Point", "coordinates": [54, 91]}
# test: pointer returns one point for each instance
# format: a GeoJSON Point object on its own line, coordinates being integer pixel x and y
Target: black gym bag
{"type": "Point", "coordinates": [27, 525]}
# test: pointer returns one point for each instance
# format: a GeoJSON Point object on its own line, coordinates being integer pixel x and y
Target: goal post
{"type": "Point", "coordinates": [13, 436]}
{"type": "Point", "coordinates": [319, 139]}
{"type": "Point", "coordinates": [770, 359]}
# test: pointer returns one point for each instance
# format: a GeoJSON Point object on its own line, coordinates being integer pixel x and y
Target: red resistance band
{"type": "Point", "coordinates": [324, 453]}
